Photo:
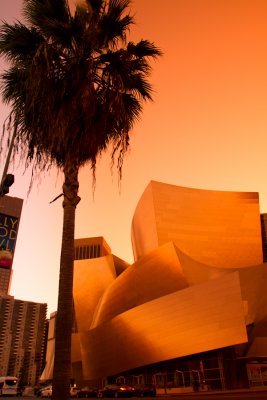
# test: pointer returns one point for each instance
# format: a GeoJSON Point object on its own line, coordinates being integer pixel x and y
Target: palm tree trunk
{"type": "Point", "coordinates": [64, 319]}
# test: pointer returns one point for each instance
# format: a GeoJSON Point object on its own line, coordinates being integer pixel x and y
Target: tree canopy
{"type": "Point", "coordinates": [75, 86]}
{"type": "Point", "coordinates": [74, 83]}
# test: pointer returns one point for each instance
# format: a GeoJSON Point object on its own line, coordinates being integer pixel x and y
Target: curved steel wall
{"type": "Point", "coordinates": [189, 321]}
{"type": "Point", "coordinates": [181, 296]}
{"type": "Point", "coordinates": [92, 277]}
{"type": "Point", "coordinates": [175, 307]}
{"type": "Point", "coordinates": [214, 227]}
{"type": "Point", "coordinates": [159, 274]}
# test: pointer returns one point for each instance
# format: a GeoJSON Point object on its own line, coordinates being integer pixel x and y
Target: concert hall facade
{"type": "Point", "coordinates": [191, 312]}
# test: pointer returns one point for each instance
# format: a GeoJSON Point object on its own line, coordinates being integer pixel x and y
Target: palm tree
{"type": "Point", "coordinates": [76, 87]}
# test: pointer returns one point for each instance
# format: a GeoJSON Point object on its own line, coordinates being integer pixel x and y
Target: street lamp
{"type": "Point", "coordinates": [8, 179]}
{"type": "Point", "coordinates": [6, 183]}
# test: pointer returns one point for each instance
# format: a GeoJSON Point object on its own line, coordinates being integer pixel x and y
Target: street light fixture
{"type": "Point", "coordinates": [8, 179]}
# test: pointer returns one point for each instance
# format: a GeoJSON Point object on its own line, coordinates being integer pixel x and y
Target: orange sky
{"type": "Point", "coordinates": [205, 129]}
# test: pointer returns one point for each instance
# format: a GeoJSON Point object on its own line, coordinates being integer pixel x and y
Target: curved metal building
{"type": "Point", "coordinates": [197, 285]}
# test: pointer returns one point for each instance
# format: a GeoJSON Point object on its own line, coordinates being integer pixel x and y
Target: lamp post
{"type": "Point", "coordinates": [8, 179]}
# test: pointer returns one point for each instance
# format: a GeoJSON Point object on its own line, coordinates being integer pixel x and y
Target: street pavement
{"type": "Point", "coordinates": [227, 395]}
{"type": "Point", "coordinates": [238, 395]}
{"type": "Point", "coordinates": [243, 394]}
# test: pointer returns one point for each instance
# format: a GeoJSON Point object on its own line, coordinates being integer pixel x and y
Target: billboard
{"type": "Point", "coordinates": [8, 235]}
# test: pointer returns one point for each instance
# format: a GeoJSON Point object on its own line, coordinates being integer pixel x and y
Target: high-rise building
{"type": "Point", "coordinates": [10, 211]}
{"type": "Point", "coordinates": [6, 310]}
{"type": "Point", "coordinates": [22, 339]}
{"type": "Point", "coordinates": [22, 323]}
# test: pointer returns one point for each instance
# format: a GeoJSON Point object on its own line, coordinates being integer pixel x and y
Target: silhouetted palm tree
{"type": "Point", "coordinates": [75, 86]}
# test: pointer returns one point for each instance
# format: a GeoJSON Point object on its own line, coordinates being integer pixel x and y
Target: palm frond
{"type": "Point", "coordinates": [96, 5]}
{"type": "Point", "coordinates": [140, 86]}
{"type": "Point", "coordinates": [132, 109]}
{"type": "Point", "coordinates": [13, 86]}
{"type": "Point", "coordinates": [113, 30]}
{"type": "Point", "coordinates": [18, 42]}
{"type": "Point", "coordinates": [144, 48]}
{"type": "Point", "coordinates": [50, 17]}
{"type": "Point", "coordinates": [73, 97]}
{"type": "Point", "coordinates": [117, 7]}
{"type": "Point", "coordinates": [114, 25]}
{"type": "Point", "coordinates": [124, 73]}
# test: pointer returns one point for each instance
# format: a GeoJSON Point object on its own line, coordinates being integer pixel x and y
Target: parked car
{"type": "Point", "coordinates": [74, 391]}
{"type": "Point", "coordinates": [116, 391]}
{"type": "Point", "coordinates": [146, 389]}
{"type": "Point", "coordinates": [87, 392]}
{"type": "Point", "coordinates": [46, 391]}
{"type": "Point", "coordinates": [38, 391]}
{"type": "Point", "coordinates": [28, 391]}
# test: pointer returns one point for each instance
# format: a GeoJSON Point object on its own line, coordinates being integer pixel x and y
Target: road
{"type": "Point", "coordinates": [219, 396]}
{"type": "Point", "coordinates": [258, 395]}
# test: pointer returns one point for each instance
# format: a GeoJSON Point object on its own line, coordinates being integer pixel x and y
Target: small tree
{"type": "Point", "coordinates": [75, 87]}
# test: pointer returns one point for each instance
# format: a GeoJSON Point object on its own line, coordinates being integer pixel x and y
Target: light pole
{"type": "Point", "coordinates": [8, 179]}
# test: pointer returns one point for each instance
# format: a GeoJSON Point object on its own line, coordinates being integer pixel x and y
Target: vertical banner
{"type": "Point", "coordinates": [8, 235]}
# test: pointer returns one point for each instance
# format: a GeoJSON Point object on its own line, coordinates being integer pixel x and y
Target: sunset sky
{"type": "Point", "coordinates": [205, 129]}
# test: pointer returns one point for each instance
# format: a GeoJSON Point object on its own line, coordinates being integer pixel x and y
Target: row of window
{"type": "Point", "coordinates": [86, 252]}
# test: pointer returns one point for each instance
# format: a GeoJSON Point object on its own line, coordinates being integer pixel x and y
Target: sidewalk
{"type": "Point", "coordinates": [211, 392]}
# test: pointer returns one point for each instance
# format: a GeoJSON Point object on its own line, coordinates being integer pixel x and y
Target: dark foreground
{"type": "Point", "coordinates": [253, 395]}
{"type": "Point", "coordinates": [233, 395]}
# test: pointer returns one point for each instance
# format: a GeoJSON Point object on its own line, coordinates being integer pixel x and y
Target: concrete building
{"type": "Point", "coordinates": [10, 211]}
{"type": "Point", "coordinates": [91, 248]}
{"type": "Point", "coordinates": [22, 339]}
{"type": "Point", "coordinates": [22, 323]}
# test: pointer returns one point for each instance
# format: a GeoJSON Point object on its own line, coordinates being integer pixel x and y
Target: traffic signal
{"type": "Point", "coordinates": [8, 181]}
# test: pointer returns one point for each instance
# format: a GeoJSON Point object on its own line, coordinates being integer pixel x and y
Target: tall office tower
{"type": "Point", "coordinates": [91, 248]}
{"type": "Point", "coordinates": [6, 310]}
{"type": "Point", "coordinates": [10, 211]}
{"type": "Point", "coordinates": [22, 339]}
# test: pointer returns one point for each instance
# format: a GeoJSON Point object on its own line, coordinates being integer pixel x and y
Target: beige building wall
{"type": "Point", "coordinates": [85, 248]}
{"type": "Point", "coordinates": [220, 229]}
